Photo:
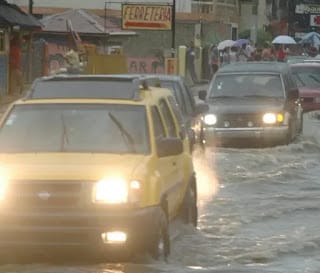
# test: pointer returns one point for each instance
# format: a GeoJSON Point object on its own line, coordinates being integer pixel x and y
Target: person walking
{"type": "Point", "coordinates": [15, 73]}
{"type": "Point", "coordinates": [191, 57]}
{"type": "Point", "coordinates": [213, 60]}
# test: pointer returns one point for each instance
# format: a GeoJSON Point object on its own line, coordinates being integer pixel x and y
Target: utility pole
{"type": "Point", "coordinates": [31, 7]}
{"type": "Point", "coordinates": [173, 27]}
{"type": "Point", "coordinates": [254, 21]}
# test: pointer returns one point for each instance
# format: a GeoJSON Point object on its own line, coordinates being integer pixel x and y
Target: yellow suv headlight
{"type": "Point", "coordinates": [3, 183]}
{"type": "Point", "coordinates": [116, 191]}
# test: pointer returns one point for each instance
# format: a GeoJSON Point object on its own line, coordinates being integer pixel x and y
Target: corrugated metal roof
{"type": "Point", "coordinates": [180, 16]}
{"type": "Point", "coordinates": [11, 15]}
{"type": "Point", "coordinates": [82, 22]}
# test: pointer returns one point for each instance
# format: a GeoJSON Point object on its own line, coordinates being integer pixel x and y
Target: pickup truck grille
{"type": "Point", "coordinates": [239, 120]}
{"type": "Point", "coordinates": [44, 194]}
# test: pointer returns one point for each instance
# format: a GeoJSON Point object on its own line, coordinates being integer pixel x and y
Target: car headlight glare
{"type": "Point", "coordinates": [210, 119]}
{"type": "Point", "coordinates": [3, 183]}
{"type": "Point", "coordinates": [273, 118]}
{"type": "Point", "coordinates": [269, 118]}
{"type": "Point", "coordinates": [111, 191]}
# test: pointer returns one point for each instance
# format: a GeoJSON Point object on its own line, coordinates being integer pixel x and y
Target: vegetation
{"type": "Point", "coordinates": [262, 37]}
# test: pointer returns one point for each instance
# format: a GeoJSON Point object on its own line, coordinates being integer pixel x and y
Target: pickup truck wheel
{"type": "Point", "coordinates": [160, 245]}
{"type": "Point", "coordinates": [189, 209]}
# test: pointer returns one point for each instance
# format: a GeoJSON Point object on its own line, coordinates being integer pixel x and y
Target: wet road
{"type": "Point", "coordinates": [259, 212]}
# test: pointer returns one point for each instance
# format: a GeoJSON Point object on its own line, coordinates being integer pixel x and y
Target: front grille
{"type": "Point", "coordinates": [44, 194]}
{"type": "Point", "coordinates": [239, 120]}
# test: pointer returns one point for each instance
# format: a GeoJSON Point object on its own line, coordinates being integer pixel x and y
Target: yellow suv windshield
{"type": "Point", "coordinates": [76, 128]}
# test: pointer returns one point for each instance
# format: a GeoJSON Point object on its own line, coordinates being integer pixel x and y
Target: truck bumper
{"type": "Point", "coordinates": [213, 136]}
{"type": "Point", "coordinates": [80, 230]}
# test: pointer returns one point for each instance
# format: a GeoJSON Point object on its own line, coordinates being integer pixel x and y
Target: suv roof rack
{"type": "Point", "coordinates": [113, 86]}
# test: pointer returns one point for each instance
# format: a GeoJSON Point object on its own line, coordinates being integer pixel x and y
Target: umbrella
{"type": "Point", "coordinates": [226, 43]}
{"type": "Point", "coordinates": [312, 38]}
{"type": "Point", "coordinates": [283, 39]}
{"type": "Point", "coordinates": [241, 42]}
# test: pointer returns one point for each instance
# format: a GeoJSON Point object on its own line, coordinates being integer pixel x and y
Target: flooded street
{"type": "Point", "coordinates": [258, 212]}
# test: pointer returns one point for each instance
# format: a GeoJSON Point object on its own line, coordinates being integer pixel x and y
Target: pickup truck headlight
{"type": "Point", "coordinates": [272, 118]}
{"type": "Point", "coordinates": [116, 191]}
{"type": "Point", "coordinates": [210, 119]}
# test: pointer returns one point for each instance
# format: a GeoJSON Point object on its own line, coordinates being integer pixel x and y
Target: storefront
{"type": "Point", "coordinates": [12, 21]}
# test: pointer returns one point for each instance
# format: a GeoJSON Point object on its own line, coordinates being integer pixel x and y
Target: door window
{"type": "Point", "coordinates": [168, 118]}
{"type": "Point", "coordinates": [159, 130]}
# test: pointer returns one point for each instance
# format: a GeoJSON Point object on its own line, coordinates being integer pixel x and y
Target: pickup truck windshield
{"type": "Point", "coordinates": [78, 128]}
{"type": "Point", "coordinates": [253, 85]}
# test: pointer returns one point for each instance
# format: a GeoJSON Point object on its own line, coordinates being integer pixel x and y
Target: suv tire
{"type": "Point", "coordinates": [160, 245]}
{"type": "Point", "coordinates": [189, 209]}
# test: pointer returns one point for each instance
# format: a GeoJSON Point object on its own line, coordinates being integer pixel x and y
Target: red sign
{"type": "Point", "coordinates": [315, 20]}
{"type": "Point", "coordinates": [143, 16]}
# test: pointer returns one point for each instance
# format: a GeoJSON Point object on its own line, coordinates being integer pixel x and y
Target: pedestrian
{"type": "Point", "coordinates": [242, 55]}
{"type": "Point", "coordinates": [226, 55]}
{"type": "Point", "coordinates": [190, 60]}
{"type": "Point", "coordinates": [213, 60]}
{"type": "Point", "coordinates": [15, 73]}
{"type": "Point", "coordinates": [234, 54]}
{"type": "Point", "coordinates": [73, 62]}
{"type": "Point", "coordinates": [266, 52]}
{"type": "Point", "coordinates": [281, 54]}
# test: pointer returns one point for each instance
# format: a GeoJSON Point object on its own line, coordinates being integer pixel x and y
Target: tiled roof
{"type": "Point", "coordinates": [11, 15]}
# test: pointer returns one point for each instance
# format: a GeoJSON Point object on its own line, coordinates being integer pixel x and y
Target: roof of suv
{"type": "Point", "coordinates": [251, 67]}
{"type": "Point", "coordinates": [117, 87]}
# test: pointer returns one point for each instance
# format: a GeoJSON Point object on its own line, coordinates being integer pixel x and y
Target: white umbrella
{"type": "Point", "coordinates": [226, 43]}
{"type": "Point", "coordinates": [284, 40]}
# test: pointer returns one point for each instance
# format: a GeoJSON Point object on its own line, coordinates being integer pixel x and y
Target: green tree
{"type": "Point", "coordinates": [262, 36]}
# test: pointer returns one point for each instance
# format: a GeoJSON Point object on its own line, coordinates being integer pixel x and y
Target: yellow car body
{"type": "Point", "coordinates": [92, 199]}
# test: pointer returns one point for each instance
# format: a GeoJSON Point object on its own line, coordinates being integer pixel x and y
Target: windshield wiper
{"type": "Point", "coordinates": [64, 136]}
{"type": "Point", "coordinates": [124, 133]}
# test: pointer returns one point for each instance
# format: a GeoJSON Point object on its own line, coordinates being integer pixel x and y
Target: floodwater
{"type": "Point", "coordinates": [259, 211]}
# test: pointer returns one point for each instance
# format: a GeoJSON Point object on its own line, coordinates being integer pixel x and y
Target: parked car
{"type": "Point", "coordinates": [191, 111]}
{"type": "Point", "coordinates": [96, 163]}
{"type": "Point", "coordinates": [307, 77]}
{"type": "Point", "coordinates": [252, 103]}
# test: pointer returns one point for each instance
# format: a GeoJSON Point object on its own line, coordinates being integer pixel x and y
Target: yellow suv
{"type": "Point", "coordinates": [94, 162]}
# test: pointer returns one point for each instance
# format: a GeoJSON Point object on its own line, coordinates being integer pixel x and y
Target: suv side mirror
{"type": "Point", "coordinates": [169, 147]}
{"type": "Point", "coordinates": [202, 95]}
{"type": "Point", "coordinates": [201, 108]}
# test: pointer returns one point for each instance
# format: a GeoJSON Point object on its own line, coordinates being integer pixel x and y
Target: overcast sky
{"type": "Point", "coordinates": [181, 5]}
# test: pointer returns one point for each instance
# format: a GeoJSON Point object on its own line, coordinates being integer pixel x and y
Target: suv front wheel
{"type": "Point", "coordinates": [160, 245]}
{"type": "Point", "coordinates": [189, 209]}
